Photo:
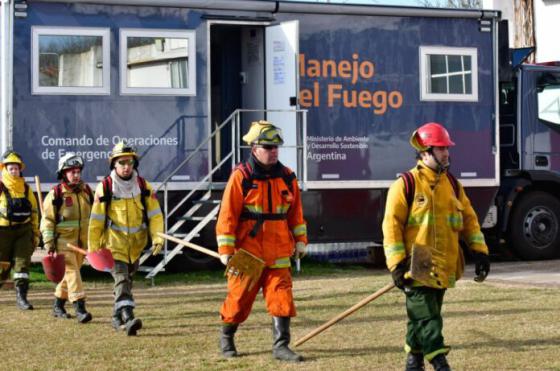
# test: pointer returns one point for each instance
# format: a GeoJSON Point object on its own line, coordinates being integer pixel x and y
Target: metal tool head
{"type": "Point", "coordinates": [54, 267]}
{"type": "Point", "coordinates": [101, 260]}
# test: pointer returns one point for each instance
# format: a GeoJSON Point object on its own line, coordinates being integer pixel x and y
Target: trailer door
{"type": "Point", "coordinates": [282, 85]}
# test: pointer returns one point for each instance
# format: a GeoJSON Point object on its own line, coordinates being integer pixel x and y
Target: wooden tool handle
{"type": "Point", "coordinates": [345, 314]}
{"type": "Point", "coordinates": [39, 193]}
{"type": "Point", "coordinates": [76, 248]}
{"type": "Point", "coordinates": [190, 244]}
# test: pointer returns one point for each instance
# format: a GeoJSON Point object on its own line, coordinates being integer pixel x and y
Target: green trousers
{"type": "Point", "coordinates": [123, 273]}
{"type": "Point", "coordinates": [425, 324]}
{"type": "Point", "coordinates": [16, 248]}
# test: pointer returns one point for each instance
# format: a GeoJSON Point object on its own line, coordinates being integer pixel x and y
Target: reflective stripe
{"type": "Point", "coordinates": [476, 238]}
{"type": "Point", "coordinates": [128, 230]}
{"type": "Point", "coordinates": [226, 240]}
{"type": "Point", "coordinates": [21, 275]}
{"type": "Point", "coordinates": [418, 220]}
{"type": "Point", "coordinates": [432, 355]}
{"type": "Point", "coordinates": [254, 208]}
{"type": "Point", "coordinates": [282, 209]}
{"type": "Point", "coordinates": [97, 216]}
{"type": "Point", "coordinates": [154, 212]}
{"type": "Point", "coordinates": [69, 224]}
{"type": "Point", "coordinates": [455, 220]}
{"type": "Point", "coordinates": [125, 303]}
{"type": "Point", "coordinates": [393, 250]}
{"type": "Point", "coordinates": [300, 230]}
{"type": "Point", "coordinates": [282, 263]}
{"type": "Point", "coordinates": [48, 233]}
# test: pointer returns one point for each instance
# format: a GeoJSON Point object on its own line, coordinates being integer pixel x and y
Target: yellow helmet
{"type": "Point", "coordinates": [11, 157]}
{"type": "Point", "coordinates": [123, 149]}
{"type": "Point", "coordinates": [263, 132]}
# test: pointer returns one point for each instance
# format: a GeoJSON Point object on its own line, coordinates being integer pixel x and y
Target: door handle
{"type": "Point", "coordinates": [541, 160]}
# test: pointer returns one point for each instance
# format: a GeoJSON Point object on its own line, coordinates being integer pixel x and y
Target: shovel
{"type": "Point", "coordinates": [420, 267]}
{"type": "Point", "coordinates": [54, 267]}
{"type": "Point", "coordinates": [101, 260]}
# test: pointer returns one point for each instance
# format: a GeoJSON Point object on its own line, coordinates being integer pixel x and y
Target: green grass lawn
{"type": "Point", "coordinates": [489, 326]}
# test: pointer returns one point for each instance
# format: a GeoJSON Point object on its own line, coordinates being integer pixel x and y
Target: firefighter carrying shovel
{"type": "Point", "coordinates": [261, 220]}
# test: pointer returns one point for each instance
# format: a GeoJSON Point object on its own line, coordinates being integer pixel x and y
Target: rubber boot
{"type": "Point", "coordinates": [21, 295]}
{"type": "Point", "coordinates": [82, 315]}
{"type": "Point", "coordinates": [131, 324]}
{"type": "Point", "coordinates": [116, 320]}
{"type": "Point", "coordinates": [281, 336]}
{"type": "Point", "coordinates": [227, 344]}
{"type": "Point", "coordinates": [414, 362]}
{"type": "Point", "coordinates": [58, 308]}
{"type": "Point", "coordinates": [440, 363]}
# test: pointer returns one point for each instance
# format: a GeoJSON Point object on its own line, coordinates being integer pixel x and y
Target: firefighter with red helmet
{"type": "Point", "coordinates": [65, 220]}
{"type": "Point", "coordinates": [438, 215]}
{"type": "Point", "coordinates": [19, 225]}
{"type": "Point", "coordinates": [261, 213]}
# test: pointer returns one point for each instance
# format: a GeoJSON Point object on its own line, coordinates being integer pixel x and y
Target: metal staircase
{"type": "Point", "coordinates": [204, 209]}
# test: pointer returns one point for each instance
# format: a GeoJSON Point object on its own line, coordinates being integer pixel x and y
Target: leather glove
{"type": "Point", "coordinates": [398, 274]}
{"type": "Point", "coordinates": [50, 247]}
{"type": "Point", "coordinates": [156, 248]}
{"type": "Point", "coordinates": [224, 258]}
{"type": "Point", "coordinates": [482, 266]}
{"type": "Point", "coordinates": [301, 250]}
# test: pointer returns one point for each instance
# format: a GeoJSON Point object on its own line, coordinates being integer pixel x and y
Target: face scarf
{"type": "Point", "coordinates": [125, 188]}
{"type": "Point", "coordinates": [15, 184]}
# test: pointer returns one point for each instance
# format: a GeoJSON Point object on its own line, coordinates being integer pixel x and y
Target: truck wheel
{"type": "Point", "coordinates": [534, 230]}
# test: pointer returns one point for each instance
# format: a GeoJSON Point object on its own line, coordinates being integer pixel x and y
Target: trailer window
{"type": "Point", "coordinates": [448, 74]}
{"type": "Point", "coordinates": [157, 62]}
{"type": "Point", "coordinates": [70, 60]}
{"type": "Point", "coordinates": [548, 98]}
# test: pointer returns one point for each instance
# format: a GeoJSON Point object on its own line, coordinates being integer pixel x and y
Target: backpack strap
{"type": "Point", "coordinates": [288, 176]}
{"type": "Point", "coordinates": [107, 184]}
{"type": "Point", "coordinates": [409, 187]}
{"type": "Point", "coordinates": [144, 193]}
{"type": "Point", "coordinates": [247, 182]}
{"type": "Point", "coordinates": [454, 183]}
{"type": "Point", "coordinates": [57, 201]}
{"type": "Point", "coordinates": [89, 192]}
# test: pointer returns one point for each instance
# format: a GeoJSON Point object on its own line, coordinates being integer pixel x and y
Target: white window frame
{"type": "Point", "coordinates": [151, 32]}
{"type": "Point", "coordinates": [425, 52]}
{"type": "Point", "coordinates": [104, 89]}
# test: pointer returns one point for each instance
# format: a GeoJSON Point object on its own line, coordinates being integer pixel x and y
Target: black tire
{"type": "Point", "coordinates": [534, 228]}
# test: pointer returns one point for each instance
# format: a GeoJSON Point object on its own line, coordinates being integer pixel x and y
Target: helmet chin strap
{"type": "Point", "coordinates": [440, 167]}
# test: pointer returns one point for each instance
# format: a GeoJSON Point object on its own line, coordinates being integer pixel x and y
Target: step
{"type": "Point", "coordinates": [194, 218]}
{"type": "Point", "coordinates": [207, 202]}
{"type": "Point", "coordinates": [146, 268]}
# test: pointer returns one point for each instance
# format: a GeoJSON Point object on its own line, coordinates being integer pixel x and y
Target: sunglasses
{"type": "Point", "coordinates": [125, 162]}
{"type": "Point", "coordinates": [269, 147]}
{"type": "Point", "coordinates": [74, 171]}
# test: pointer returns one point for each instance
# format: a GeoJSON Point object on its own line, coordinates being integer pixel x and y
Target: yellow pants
{"type": "Point", "coordinates": [71, 286]}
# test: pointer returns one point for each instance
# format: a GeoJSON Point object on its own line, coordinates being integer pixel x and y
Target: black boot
{"type": "Point", "coordinates": [281, 336]}
{"type": "Point", "coordinates": [117, 321]}
{"type": "Point", "coordinates": [131, 324]}
{"type": "Point", "coordinates": [226, 340]}
{"type": "Point", "coordinates": [82, 315]}
{"type": "Point", "coordinates": [414, 362]}
{"type": "Point", "coordinates": [440, 363]}
{"type": "Point", "coordinates": [58, 308]}
{"type": "Point", "coordinates": [21, 295]}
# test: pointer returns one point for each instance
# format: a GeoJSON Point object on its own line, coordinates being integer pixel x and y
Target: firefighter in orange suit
{"type": "Point", "coordinates": [65, 220]}
{"type": "Point", "coordinates": [261, 212]}
{"type": "Point", "coordinates": [438, 214]}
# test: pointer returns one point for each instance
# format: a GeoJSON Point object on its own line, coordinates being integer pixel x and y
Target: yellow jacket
{"type": "Point", "coordinates": [73, 218]}
{"type": "Point", "coordinates": [437, 218]}
{"type": "Point", "coordinates": [34, 219]}
{"type": "Point", "coordinates": [126, 234]}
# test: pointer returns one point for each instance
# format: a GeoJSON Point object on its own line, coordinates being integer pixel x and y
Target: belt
{"type": "Point", "coordinates": [14, 226]}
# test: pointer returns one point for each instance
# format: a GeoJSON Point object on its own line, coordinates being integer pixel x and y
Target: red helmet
{"type": "Point", "coordinates": [430, 135]}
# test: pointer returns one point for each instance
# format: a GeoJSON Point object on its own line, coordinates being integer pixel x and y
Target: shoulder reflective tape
{"type": "Point", "coordinates": [300, 230]}
{"type": "Point", "coordinates": [97, 216]}
{"type": "Point", "coordinates": [281, 263]}
{"type": "Point", "coordinates": [21, 275]}
{"type": "Point", "coordinates": [154, 212]}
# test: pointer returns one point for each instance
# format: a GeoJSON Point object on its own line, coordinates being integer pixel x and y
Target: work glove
{"type": "Point", "coordinates": [301, 250]}
{"type": "Point", "coordinates": [224, 258]}
{"type": "Point", "coordinates": [36, 240]}
{"type": "Point", "coordinates": [156, 248]}
{"type": "Point", "coordinates": [50, 247]}
{"type": "Point", "coordinates": [399, 272]}
{"type": "Point", "coordinates": [481, 267]}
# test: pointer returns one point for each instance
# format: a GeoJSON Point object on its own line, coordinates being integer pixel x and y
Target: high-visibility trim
{"type": "Point", "coordinates": [455, 220]}
{"type": "Point", "coordinates": [97, 216]}
{"type": "Point", "coordinates": [21, 275]}
{"type": "Point", "coordinates": [69, 224]}
{"type": "Point", "coordinates": [125, 303]}
{"type": "Point", "coordinates": [451, 280]}
{"type": "Point", "coordinates": [476, 238]}
{"type": "Point", "coordinates": [282, 263]}
{"type": "Point", "coordinates": [282, 209]}
{"type": "Point", "coordinates": [300, 230]}
{"type": "Point", "coordinates": [432, 355]}
{"type": "Point", "coordinates": [48, 233]}
{"type": "Point", "coordinates": [154, 212]}
{"type": "Point", "coordinates": [418, 220]}
{"type": "Point", "coordinates": [226, 240]}
{"type": "Point", "coordinates": [408, 349]}
{"type": "Point", "coordinates": [254, 208]}
{"type": "Point", "coordinates": [126, 229]}
{"type": "Point", "coordinates": [394, 250]}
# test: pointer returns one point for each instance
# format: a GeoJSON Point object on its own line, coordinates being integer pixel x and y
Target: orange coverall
{"type": "Point", "coordinates": [274, 241]}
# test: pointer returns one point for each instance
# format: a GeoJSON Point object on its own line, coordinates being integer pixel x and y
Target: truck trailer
{"type": "Point", "coordinates": [182, 80]}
